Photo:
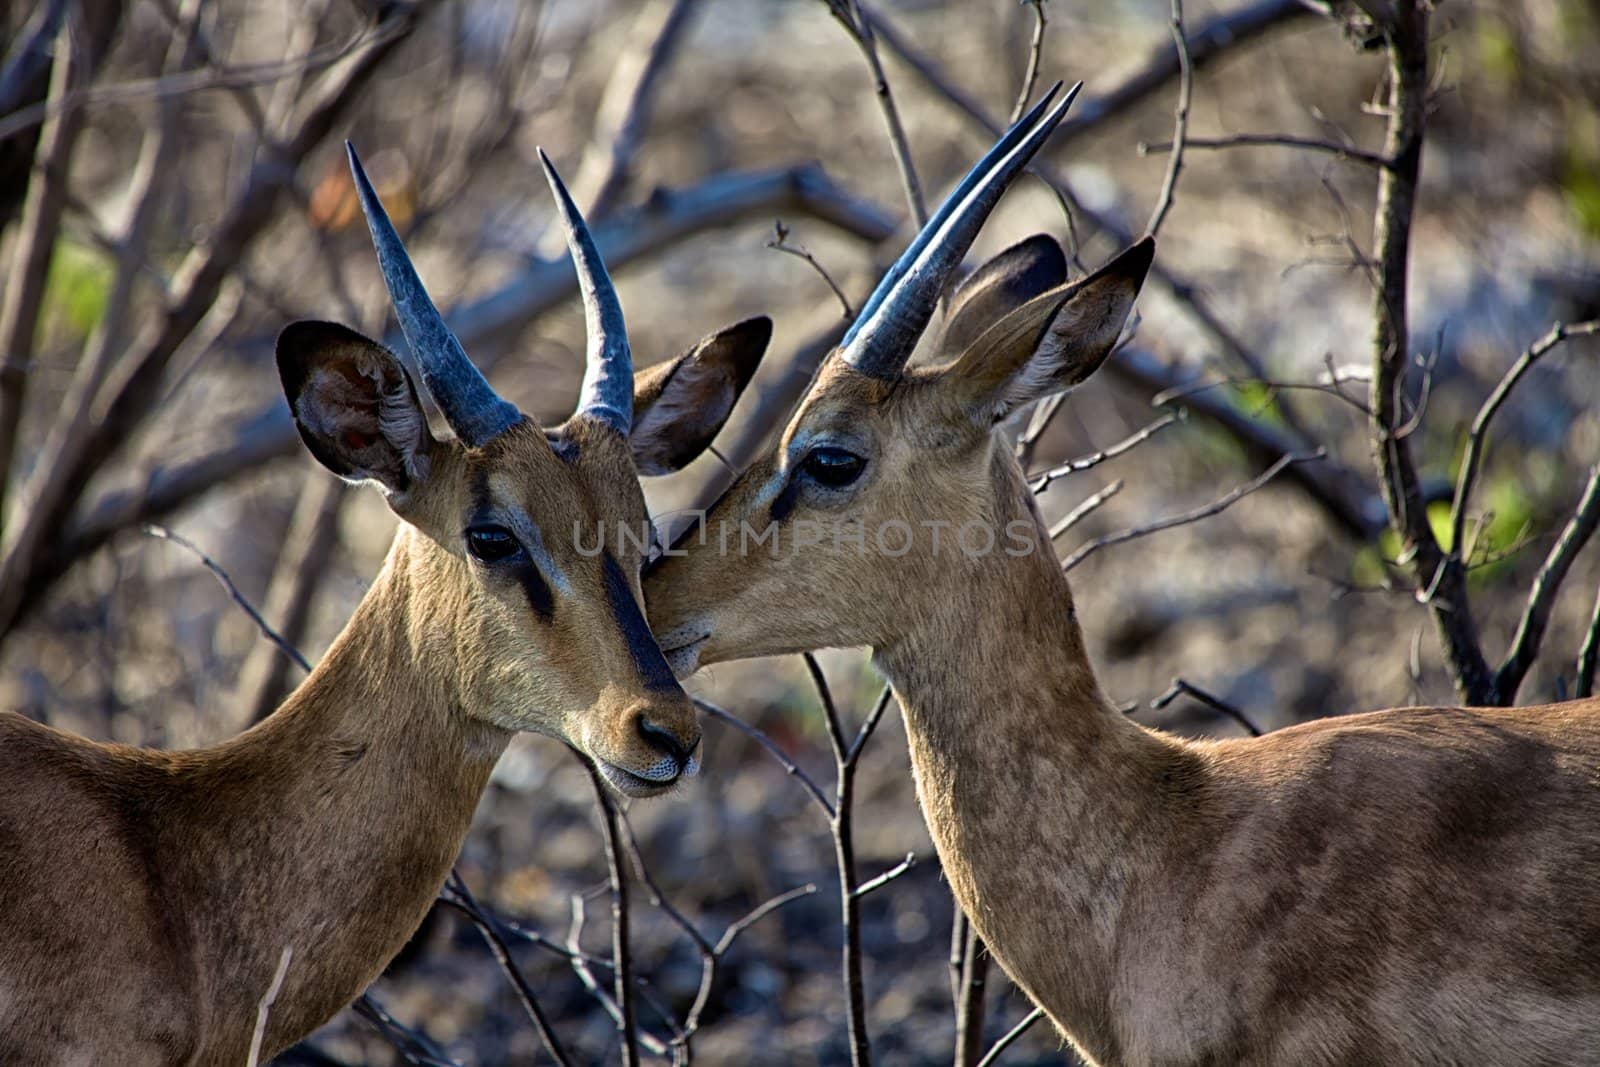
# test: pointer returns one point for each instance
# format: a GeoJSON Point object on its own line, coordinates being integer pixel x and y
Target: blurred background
{"type": "Point", "coordinates": [173, 191]}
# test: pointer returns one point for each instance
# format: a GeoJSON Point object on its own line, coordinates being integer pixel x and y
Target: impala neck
{"type": "Point", "coordinates": [1040, 796]}
{"type": "Point", "coordinates": [330, 826]}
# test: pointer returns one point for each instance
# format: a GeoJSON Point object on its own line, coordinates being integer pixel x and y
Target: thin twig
{"type": "Point", "coordinates": [1542, 594]}
{"type": "Point", "coordinates": [887, 876]}
{"type": "Point", "coordinates": [971, 1005]}
{"type": "Point", "coordinates": [1180, 687]}
{"type": "Point", "coordinates": [459, 896]}
{"type": "Point", "coordinates": [1472, 455]}
{"type": "Point", "coordinates": [264, 1008]}
{"type": "Point", "coordinates": [417, 1047]}
{"type": "Point", "coordinates": [621, 949]}
{"type": "Point", "coordinates": [1035, 52]}
{"type": "Point", "coordinates": [780, 242]}
{"type": "Point", "coordinates": [1261, 140]}
{"type": "Point", "coordinates": [777, 753]}
{"type": "Point", "coordinates": [861, 29]}
{"type": "Point", "coordinates": [1217, 506]}
{"type": "Point", "coordinates": [1094, 459]}
{"type": "Point", "coordinates": [233, 591]}
{"type": "Point", "coordinates": [42, 209]}
{"type": "Point", "coordinates": [999, 1047]}
{"type": "Point", "coordinates": [208, 77]}
{"type": "Point", "coordinates": [1087, 507]}
{"type": "Point", "coordinates": [1589, 654]}
{"type": "Point", "coordinates": [1180, 122]}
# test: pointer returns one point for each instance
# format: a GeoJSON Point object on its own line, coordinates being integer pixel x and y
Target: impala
{"type": "Point", "coordinates": [1412, 886]}
{"type": "Point", "coordinates": [149, 898]}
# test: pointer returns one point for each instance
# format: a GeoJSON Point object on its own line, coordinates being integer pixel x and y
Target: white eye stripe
{"type": "Point", "coordinates": [528, 533]}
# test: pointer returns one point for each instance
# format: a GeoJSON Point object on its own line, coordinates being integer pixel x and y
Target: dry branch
{"type": "Point", "coordinates": [1216, 507]}
{"type": "Point", "coordinates": [1276, 140]}
{"type": "Point", "coordinates": [1542, 595]}
{"type": "Point", "coordinates": [1438, 577]}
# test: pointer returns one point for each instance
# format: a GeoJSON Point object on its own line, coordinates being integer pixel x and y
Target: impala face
{"type": "Point", "coordinates": [533, 622]}
{"type": "Point", "coordinates": [886, 495]}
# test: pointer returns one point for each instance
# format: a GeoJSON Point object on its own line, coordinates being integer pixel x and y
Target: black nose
{"type": "Point", "coordinates": [665, 740]}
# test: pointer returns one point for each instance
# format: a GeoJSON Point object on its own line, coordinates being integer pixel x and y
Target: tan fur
{"type": "Point", "coordinates": [147, 896]}
{"type": "Point", "coordinates": [1406, 887]}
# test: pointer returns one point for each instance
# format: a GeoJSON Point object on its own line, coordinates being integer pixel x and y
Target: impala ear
{"type": "Point", "coordinates": [354, 405]}
{"type": "Point", "coordinates": [679, 406]}
{"type": "Point", "coordinates": [1053, 341]}
{"type": "Point", "coordinates": [1009, 280]}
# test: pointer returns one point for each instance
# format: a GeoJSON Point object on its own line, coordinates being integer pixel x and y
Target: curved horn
{"type": "Point", "coordinates": [894, 317]}
{"type": "Point", "coordinates": [469, 404]}
{"type": "Point", "coordinates": [607, 391]}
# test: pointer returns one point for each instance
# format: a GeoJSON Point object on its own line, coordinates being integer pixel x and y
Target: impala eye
{"type": "Point", "coordinates": [491, 544]}
{"type": "Point", "coordinates": [833, 467]}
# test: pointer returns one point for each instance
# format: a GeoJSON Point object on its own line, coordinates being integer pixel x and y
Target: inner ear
{"type": "Point", "coordinates": [679, 406]}
{"type": "Point", "coordinates": [354, 405]}
{"type": "Point", "coordinates": [1027, 269]}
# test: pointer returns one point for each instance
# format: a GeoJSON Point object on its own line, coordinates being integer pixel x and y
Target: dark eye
{"type": "Point", "coordinates": [491, 544]}
{"type": "Point", "coordinates": [833, 467]}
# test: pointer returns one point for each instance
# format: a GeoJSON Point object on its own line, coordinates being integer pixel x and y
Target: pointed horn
{"type": "Point", "coordinates": [894, 317]}
{"type": "Point", "coordinates": [607, 391]}
{"type": "Point", "coordinates": [469, 404]}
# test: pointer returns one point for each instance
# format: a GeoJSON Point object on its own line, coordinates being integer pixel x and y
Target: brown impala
{"type": "Point", "coordinates": [147, 898]}
{"type": "Point", "coordinates": [1406, 887]}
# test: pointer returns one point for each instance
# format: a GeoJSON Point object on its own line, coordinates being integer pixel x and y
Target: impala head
{"type": "Point", "coordinates": [534, 626]}
{"type": "Point", "coordinates": [886, 487]}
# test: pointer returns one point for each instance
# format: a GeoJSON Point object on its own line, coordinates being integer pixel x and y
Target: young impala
{"type": "Point", "coordinates": [148, 897]}
{"type": "Point", "coordinates": [1414, 886]}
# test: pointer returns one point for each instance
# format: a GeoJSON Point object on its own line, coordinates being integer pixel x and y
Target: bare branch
{"type": "Point", "coordinates": [621, 949]}
{"type": "Point", "coordinates": [1035, 53]}
{"type": "Point", "coordinates": [1472, 455]}
{"type": "Point", "coordinates": [1439, 578]}
{"type": "Point", "coordinates": [1094, 459]}
{"type": "Point", "coordinates": [1542, 595]}
{"type": "Point", "coordinates": [210, 77]}
{"type": "Point", "coordinates": [233, 592]}
{"type": "Point", "coordinates": [761, 738]}
{"type": "Point", "coordinates": [417, 1047]}
{"type": "Point", "coordinates": [624, 111]}
{"type": "Point", "coordinates": [1087, 507]}
{"type": "Point", "coordinates": [1216, 507]}
{"type": "Point", "coordinates": [30, 260]}
{"type": "Point", "coordinates": [1589, 654]}
{"type": "Point", "coordinates": [999, 1047]}
{"type": "Point", "coordinates": [970, 1005]}
{"type": "Point", "coordinates": [125, 401]}
{"type": "Point", "coordinates": [264, 1008]}
{"type": "Point", "coordinates": [1180, 122]}
{"type": "Point", "coordinates": [853, 18]}
{"type": "Point", "coordinates": [780, 242]}
{"type": "Point", "coordinates": [887, 876]}
{"type": "Point", "coordinates": [1277, 140]}
{"type": "Point", "coordinates": [1180, 687]}
{"type": "Point", "coordinates": [458, 896]}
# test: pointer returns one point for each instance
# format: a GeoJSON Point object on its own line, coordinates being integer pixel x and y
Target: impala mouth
{"type": "Point", "coordinates": [683, 653]}
{"type": "Point", "coordinates": [659, 778]}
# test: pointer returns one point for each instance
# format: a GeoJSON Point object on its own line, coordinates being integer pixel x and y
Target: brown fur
{"type": "Point", "coordinates": [148, 896]}
{"type": "Point", "coordinates": [1414, 886]}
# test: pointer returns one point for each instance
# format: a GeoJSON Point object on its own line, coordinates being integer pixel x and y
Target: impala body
{"type": "Point", "coordinates": [149, 897]}
{"type": "Point", "coordinates": [1406, 887]}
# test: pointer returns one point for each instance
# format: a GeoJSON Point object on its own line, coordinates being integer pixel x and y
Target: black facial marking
{"type": "Point", "coordinates": [785, 502]}
{"type": "Point", "coordinates": [647, 658]}
{"type": "Point", "coordinates": [540, 597]}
